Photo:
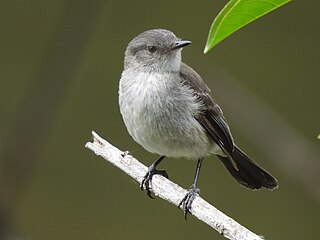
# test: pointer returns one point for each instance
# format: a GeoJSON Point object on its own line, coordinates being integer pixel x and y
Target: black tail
{"type": "Point", "coordinates": [249, 174]}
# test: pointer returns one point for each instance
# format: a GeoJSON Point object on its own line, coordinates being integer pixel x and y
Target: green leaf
{"type": "Point", "coordinates": [235, 15]}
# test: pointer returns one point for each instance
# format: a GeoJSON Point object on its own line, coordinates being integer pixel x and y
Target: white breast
{"type": "Point", "coordinates": [159, 112]}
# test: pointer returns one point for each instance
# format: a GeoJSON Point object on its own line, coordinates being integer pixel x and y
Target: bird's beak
{"type": "Point", "coordinates": [180, 44]}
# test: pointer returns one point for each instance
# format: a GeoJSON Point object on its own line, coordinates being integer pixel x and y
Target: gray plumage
{"type": "Point", "coordinates": [167, 108]}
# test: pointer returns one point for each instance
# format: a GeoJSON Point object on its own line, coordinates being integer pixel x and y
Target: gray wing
{"type": "Point", "coordinates": [211, 118]}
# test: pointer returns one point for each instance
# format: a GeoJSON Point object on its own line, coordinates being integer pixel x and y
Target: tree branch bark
{"type": "Point", "coordinates": [170, 191]}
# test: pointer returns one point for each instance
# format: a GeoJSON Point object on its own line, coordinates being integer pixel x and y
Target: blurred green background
{"type": "Point", "coordinates": [60, 63]}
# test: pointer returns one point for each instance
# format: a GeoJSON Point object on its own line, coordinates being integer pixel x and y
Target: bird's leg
{"type": "Point", "coordinates": [192, 193]}
{"type": "Point", "coordinates": [146, 182]}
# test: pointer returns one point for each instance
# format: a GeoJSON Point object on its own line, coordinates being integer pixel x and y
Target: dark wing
{"type": "Point", "coordinates": [241, 167]}
{"type": "Point", "coordinates": [211, 118]}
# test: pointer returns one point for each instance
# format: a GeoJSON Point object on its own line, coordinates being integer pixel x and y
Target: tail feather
{"type": "Point", "coordinates": [249, 174]}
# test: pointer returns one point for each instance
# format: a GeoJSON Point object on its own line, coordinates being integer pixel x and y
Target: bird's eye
{"type": "Point", "coordinates": [152, 49]}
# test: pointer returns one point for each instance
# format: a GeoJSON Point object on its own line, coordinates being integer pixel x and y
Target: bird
{"type": "Point", "coordinates": [169, 110]}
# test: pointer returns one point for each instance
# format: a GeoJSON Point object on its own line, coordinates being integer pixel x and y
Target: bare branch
{"type": "Point", "coordinates": [171, 192]}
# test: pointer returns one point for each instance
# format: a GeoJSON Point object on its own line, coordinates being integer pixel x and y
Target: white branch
{"type": "Point", "coordinates": [171, 192]}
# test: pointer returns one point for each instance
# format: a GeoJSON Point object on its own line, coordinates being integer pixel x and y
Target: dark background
{"type": "Point", "coordinates": [60, 63]}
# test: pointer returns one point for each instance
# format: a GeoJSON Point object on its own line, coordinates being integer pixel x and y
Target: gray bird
{"type": "Point", "coordinates": [167, 108]}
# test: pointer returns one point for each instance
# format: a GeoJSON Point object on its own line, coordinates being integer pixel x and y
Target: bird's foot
{"type": "Point", "coordinates": [186, 202]}
{"type": "Point", "coordinates": [146, 182]}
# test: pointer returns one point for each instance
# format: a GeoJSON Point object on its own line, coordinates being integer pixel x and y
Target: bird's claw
{"type": "Point", "coordinates": [146, 181]}
{"type": "Point", "coordinates": [186, 202]}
